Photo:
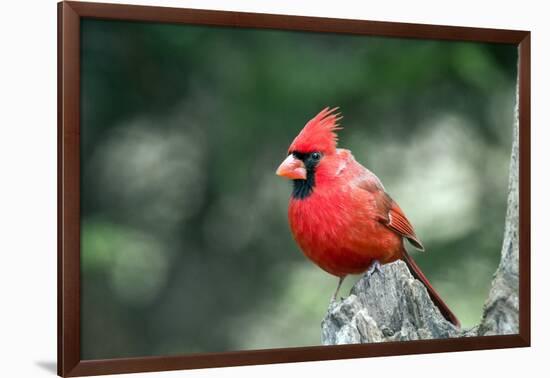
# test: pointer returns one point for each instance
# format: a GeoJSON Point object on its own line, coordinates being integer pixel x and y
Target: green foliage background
{"type": "Point", "coordinates": [185, 242]}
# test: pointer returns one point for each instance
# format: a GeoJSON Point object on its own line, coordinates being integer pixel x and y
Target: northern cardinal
{"type": "Point", "coordinates": [340, 214]}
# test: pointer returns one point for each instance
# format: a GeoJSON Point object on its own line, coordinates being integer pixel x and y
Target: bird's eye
{"type": "Point", "coordinates": [316, 156]}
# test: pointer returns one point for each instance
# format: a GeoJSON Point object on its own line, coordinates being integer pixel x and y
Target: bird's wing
{"type": "Point", "coordinates": [388, 211]}
{"type": "Point", "coordinates": [398, 222]}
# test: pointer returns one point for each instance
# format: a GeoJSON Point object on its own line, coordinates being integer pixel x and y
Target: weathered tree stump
{"type": "Point", "coordinates": [394, 306]}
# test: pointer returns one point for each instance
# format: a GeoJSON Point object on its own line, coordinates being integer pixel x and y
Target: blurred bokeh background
{"type": "Point", "coordinates": [185, 241]}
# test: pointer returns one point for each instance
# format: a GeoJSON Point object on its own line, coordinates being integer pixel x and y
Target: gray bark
{"type": "Point", "coordinates": [394, 306]}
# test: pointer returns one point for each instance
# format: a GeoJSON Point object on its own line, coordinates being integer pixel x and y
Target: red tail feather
{"type": "Point", "coordinates": [417, 273]}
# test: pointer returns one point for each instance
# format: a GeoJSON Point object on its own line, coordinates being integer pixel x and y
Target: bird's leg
{"type": "Point", "coordinates": [337, 289]}
{"type": "Point", "coordinates": [374, 266]}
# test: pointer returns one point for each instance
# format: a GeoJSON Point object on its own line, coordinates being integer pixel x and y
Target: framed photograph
{"type": "Point", "coordinates": [240, 188]}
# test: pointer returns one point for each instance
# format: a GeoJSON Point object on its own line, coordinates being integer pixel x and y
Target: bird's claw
{"type": "Point", "coordinates": [375, 266]}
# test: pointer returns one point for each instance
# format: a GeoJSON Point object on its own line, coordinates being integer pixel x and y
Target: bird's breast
{"type": "Point", "coordinates": [339, 232]}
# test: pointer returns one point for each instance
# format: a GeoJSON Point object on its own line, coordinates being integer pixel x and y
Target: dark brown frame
{"type": "Point", "coordinates": [69, 16]}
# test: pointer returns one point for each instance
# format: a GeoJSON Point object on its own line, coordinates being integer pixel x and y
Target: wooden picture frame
{"type": "Point", "coordinates": [70, 15]}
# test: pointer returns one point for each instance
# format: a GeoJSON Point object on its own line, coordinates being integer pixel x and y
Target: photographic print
{"type": "Point", "coordinates": [186, 244]}
{"type": "Point", "coordinates": [251, 189]}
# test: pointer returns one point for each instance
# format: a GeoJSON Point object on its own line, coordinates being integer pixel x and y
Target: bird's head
{"type": "Point", "coordinates": [314, 143]}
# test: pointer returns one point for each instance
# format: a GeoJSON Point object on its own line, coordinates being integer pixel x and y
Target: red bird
{"type": "Point", "coordinates": [340, 214]}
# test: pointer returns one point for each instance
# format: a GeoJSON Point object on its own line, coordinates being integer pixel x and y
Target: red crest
{"type": "Point", "coordinates": [319, 134]}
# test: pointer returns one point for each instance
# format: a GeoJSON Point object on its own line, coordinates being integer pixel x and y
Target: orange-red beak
{"type": "Point", "coordinates": [292, 168]}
